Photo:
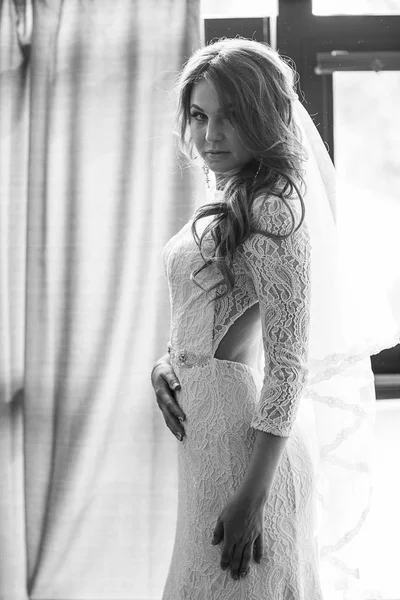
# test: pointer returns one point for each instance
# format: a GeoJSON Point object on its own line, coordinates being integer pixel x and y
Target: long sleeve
{"type": "Point", "coordinates": [279, 269]}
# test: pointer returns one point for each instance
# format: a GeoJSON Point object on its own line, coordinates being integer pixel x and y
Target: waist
{"type": "Point", "coordinates": [187, 358]}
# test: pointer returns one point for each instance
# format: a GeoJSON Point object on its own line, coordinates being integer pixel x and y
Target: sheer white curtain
{"type": "Point", "coordinates": [90, 190]}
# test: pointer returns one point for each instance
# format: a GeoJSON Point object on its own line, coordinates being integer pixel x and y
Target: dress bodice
{"type": "Point", "coordinates": [197, 324]}
{"type": "Point", "coordinates": [271, 271]}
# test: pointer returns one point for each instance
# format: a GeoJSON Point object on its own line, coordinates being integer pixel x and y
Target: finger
{"type": "Point", "coordinates": [163, 370]}
{"type": "Point", "coordinates": [227, 552]}
{"type": "Point", "coordinates": [258, 549]}
{"type": "Point", "coordinates": [173, 383]}
{"type": "Point", "coordinates": [246, 557]}
{"type": "Point", "coordinates": [236, 560]}
{"type": "Point", "coordinates": [172, 423]}
{"type": "Point", "coordinates": [164, 395]}
{"type": "Point", "coordinates": [169, 375]}
{"type": "Point", "coordinates": [218, 534]}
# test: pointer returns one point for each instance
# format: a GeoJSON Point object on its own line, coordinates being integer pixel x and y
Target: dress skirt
{"type": "Point", "coordinates": [219, 400]}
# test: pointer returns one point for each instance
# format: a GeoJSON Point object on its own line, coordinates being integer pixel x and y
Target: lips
{"type": "Point", "coordinates": [216, 157]}
{"type": "Point", "coordinates": [217, 152]}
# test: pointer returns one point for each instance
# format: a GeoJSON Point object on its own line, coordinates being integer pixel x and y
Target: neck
{"type": "Point", "coordinates": [219, 180]}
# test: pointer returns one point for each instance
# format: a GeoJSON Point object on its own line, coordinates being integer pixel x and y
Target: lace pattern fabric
{"type": "Point", "coordinates": [212, 461]}
{"type": "Point", "coordinates": [226, 401]}
{"type": "Point", "coordinates": [325, 407]}
{"type": "Point", "coordinates": [279, 270]}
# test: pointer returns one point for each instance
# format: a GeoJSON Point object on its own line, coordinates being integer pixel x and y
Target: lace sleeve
{"type": "Point", "coordinates": [279, 269]}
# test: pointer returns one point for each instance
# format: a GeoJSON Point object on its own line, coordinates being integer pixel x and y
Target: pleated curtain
{"type": "Point", "coordinates": [91, 188]}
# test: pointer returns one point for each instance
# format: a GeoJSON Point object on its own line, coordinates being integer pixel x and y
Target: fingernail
{"type": "Point", "coordinates": [179, 436]}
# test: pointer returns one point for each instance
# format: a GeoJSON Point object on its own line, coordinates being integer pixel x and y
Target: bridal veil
{"type": "Point", "coordinates": [349, 321]}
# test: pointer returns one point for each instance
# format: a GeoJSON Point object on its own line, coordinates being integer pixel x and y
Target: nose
{"type": "Point", "coordinates": [214, 131]}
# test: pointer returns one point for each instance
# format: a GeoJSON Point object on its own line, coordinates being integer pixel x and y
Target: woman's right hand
{"type": "Point", "coordinates": [165, 382]}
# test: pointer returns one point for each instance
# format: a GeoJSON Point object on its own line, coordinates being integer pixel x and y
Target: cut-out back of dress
{"type": "Point", "coordinates": [240, 343]}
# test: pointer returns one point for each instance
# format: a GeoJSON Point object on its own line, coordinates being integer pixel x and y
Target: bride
{"type": "Point", "coordinates": [273, 461]}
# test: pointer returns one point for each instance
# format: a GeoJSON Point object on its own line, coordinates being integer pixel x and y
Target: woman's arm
{"type": "Point", "coordinates": [279, 269]}
{"type": "Point", "coordinates": [258, 480]}
{"type": "Point", "coordinates": [240, 524]}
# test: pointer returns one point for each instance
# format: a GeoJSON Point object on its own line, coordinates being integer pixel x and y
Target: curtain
{"type": "Point", "coordinates": [90, 190]}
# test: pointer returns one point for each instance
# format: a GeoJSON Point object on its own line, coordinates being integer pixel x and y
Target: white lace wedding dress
{"type": "Point", "coordinates": [225, 403]}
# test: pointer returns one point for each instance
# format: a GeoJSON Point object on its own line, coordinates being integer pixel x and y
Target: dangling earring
{"type": "Point", "coordinates": [206, 171]}
{"type": "Point", "coordinates": [258, 171]}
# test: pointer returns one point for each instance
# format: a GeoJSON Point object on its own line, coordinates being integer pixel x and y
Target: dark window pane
{"type": "Point", "coordinates": [356, 7]}
{"type": "Point", "coordinates": [237, 8]}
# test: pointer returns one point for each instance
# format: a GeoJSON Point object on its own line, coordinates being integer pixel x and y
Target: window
{"type": "Point", "coordinates": [356, 7]}
{"type": "Point", "coordinates": [341, 60]}
{"type": "Point", "coordinates": [339, 53]}
{"type": "Point", "coordinates": [237, 8]}
{"type": "Point", "coordinates": [367, 158]}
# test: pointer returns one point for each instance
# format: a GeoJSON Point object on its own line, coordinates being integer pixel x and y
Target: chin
{"type": "Point", "coordinates": [224, 169]}
{"type": "Point", "coordinates": [227, 172]}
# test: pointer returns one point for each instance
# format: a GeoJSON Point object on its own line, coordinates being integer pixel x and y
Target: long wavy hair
{"type": "Point", "coordinates": [256, 91]}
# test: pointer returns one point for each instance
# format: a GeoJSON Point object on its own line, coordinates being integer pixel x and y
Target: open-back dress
{"type": "Point", "coordinates": [225, 402]}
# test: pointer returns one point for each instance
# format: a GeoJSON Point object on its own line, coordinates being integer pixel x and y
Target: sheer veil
{"type": "Point", "coordinates": [349, 321]}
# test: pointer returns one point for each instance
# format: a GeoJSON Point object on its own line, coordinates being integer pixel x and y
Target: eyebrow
{"type": "Point", "coordinates": [202, 109]}
{"type": "Point", "coordinates": [196, 106]}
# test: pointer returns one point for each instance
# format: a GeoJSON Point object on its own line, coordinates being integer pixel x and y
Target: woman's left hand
{"type": "Point", "coordinates": [240, 528]}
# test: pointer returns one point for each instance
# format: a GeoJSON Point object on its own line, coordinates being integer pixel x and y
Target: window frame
{"type": "Point", "coordinates": [256, 28]}
{"type": "Point", "coordinates": [301, 35]}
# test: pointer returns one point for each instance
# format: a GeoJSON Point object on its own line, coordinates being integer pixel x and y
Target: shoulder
{"type": "Point", "coordinates": [274, 253]}
{"type": "Point", "coordinates": [273, 215]}
{"type": "Point", "coordinates": [272, 235]}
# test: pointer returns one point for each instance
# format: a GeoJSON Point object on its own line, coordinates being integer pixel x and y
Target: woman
{"type": "Point", "coordinates": [241, 273]}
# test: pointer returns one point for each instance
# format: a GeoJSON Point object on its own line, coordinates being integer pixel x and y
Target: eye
{"type": "Point", "coordinates": [198, 116]}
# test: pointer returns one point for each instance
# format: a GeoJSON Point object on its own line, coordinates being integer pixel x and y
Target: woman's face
{"type": "Point", "coordinates": [213, 135]}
